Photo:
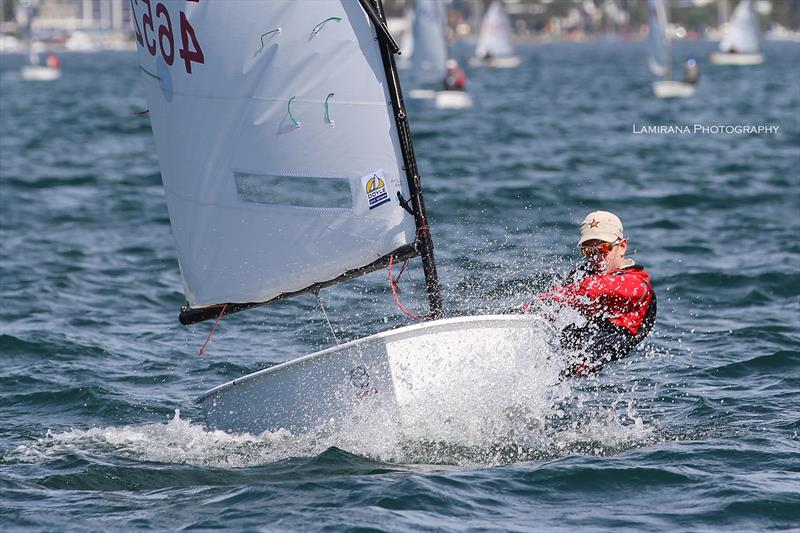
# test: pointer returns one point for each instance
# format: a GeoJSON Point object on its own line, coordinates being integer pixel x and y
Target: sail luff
{"type": "Point", "coordinates": [424, 239]}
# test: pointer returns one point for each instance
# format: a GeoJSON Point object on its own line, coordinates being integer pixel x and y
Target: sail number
{"type": "Point", "coordinates": [163, 39]}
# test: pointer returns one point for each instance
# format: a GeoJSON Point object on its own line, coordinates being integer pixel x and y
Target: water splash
{"type": "Point", "coordinates": [178, 441]}
{"type": "Point", "coordinates": [545, 423]}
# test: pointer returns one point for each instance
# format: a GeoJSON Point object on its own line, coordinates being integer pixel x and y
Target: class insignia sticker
{"type": "Point", "coordinates": [374, 186]}
{"type": "Point", "coordinates": [359, 377]}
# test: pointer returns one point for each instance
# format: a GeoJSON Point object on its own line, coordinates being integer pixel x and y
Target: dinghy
{"type": "Point", "coordinates": [429, 61]}
{"type": "Point", "coordinates": [286, 156]}
{"type": "Point", "coordinates": [34, 70]}
{"type": "Point", "coordinates": [494, 48]}
{"type": "Point", "coordinates": [660, 55]}
{"type": "Point", "coordinates": [739, 45]}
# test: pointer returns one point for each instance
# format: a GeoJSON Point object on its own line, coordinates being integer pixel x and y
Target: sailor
{"type": "Point", "coordinates": [456, 79]}
{"type": "Point", "coordinates": [610, 291]}
{"type": "Point", "coordinates": [53, 61]}
{"type": "Point", "coordinates": [692, 72]}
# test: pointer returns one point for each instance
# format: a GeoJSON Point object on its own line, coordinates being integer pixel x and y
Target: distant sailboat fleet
{"type": "Point", "coordinates": [739, 46]}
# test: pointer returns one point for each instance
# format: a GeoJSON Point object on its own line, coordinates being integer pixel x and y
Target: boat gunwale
{"type": "Point", "coordinates": [398, 332]}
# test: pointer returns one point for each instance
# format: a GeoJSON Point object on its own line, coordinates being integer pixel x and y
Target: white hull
{"type": "Point", "coordinates": [453, 100]}
{"type": "Point", "coordinates": [39, 73]}
{"type": "Point", "coordinates": [723, 58]}
{"type": "Point", "coordinates": [673, 89]}
{"type": "Point", "coordinates": [422, 94]}
{"type": "Point", "coordinates": [495, 62]}
{"type": "Point", "coordinates": [433, 375]}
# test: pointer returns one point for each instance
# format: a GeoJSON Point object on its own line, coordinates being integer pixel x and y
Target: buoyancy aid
{"type": "Point", "coordinates": [620, 310]}
{"type": "Point", "coordinates": [622, 297]}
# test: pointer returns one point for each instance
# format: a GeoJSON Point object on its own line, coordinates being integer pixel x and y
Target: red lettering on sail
{"type": "Point", "coordinates": [165, 31]}
{"type": "Point", "coordinates": [189, 55]}
{"type": "Point", "coordinates": [163, 37]}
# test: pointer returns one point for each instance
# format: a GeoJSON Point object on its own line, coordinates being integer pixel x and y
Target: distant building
{"type": "Point", "coordinates": [68, 15]}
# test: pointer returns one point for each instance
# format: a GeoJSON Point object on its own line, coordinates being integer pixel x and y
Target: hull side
{"type": "Point", "coordinates": [418, 377]}
{"type": "Point", "coordinates": [495, 62]}
{"type": "Point", "coordinates": [673, 89]}
{"type": "Point", "coordinates": [722, 58]}
{"type": "Point", "coordinates": [453, 100]}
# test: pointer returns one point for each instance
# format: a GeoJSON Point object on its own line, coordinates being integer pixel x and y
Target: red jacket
{"type": "Point", "coordinates": [622, 296]}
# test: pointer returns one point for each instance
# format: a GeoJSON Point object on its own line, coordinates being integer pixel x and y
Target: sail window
{"type": "Point", "coordinates": [297, 191]}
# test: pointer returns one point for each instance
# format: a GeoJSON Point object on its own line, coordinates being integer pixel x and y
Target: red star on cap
{"type": "Point", "coordinates": [593, 223]}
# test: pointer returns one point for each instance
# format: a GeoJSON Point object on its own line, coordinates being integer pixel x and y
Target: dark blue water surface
{"type": "Point", "coordinates": [696, 430]}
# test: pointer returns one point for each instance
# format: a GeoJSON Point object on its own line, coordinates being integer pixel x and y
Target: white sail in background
{"type": "Point", "coordinates": [407, 41]}
{"type": "Point", "coordinates": [277, 145]}
{"type": "Point", "coordinates": [658, 57]}
{"type": "Point", "coordinates": [742, 32]}
{"type": "Point", "coordinates": [429, 61]}
{"type": "Point", "coordinates": [494, 39]}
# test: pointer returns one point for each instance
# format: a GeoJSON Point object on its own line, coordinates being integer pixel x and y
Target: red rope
{"type": "Point", "coordinates": [403, 269]}
{"type": "Point", "coordinates": [213, 328]}
{"type": "Point", "coordinates": [393, 285]}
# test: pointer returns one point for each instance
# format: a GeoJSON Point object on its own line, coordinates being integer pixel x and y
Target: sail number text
{"type": "Point", "coordinates": [163, 39]}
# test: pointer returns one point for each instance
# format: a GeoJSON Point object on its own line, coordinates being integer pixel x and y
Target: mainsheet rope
{"type": "Point", "coordinates": [213, 328]}
{"type": "Point", "coordinates": [393, 284]}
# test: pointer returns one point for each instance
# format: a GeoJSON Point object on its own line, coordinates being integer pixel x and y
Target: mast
{"type": "Point", "coordinates": [424, 241]}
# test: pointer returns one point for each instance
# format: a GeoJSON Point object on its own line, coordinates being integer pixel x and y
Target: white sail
{"type": "Point", "coordinates": [741, 35]}
{"type": "Point", "coordinates": [429, 61]}
{"type": "Point", "coordinates": [494, 39]}
{"type": "Point", "coordinates": [277, 145]}
{"type": "Point", "coordinates": [658, 57]}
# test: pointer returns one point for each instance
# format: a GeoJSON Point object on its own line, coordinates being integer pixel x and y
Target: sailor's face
{"type": "Point", "coordinates": [604, 256]}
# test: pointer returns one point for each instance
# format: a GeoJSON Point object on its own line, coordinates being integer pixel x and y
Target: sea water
{"type": "Point", "coordinates": [695, 430]}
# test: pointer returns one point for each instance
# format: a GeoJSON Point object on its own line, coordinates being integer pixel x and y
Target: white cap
{"type": "Point", "coordinates": [601, 225]}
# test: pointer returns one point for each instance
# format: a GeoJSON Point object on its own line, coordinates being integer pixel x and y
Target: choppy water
{"type": "Point", "coordinates": [697, 430]}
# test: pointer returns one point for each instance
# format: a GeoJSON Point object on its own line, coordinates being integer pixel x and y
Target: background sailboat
{"type": "Point", "coordinates": [494, 48]}
{"type": "Point", "coordinates": [429, 62]}
{"type": "Point", "coordinates": [407, 39]}
{"type": "Point", "coordinates": [34, 70]}
{"type": "Point", "coordinates": [740, 44]}
{"type": "Point", "coordinates": [311, 105]}
{"type": "Point", "coordinates": [659, 56]}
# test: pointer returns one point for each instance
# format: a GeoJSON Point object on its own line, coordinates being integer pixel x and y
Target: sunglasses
{"type": "Point", "coordinates": [601, 248]}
